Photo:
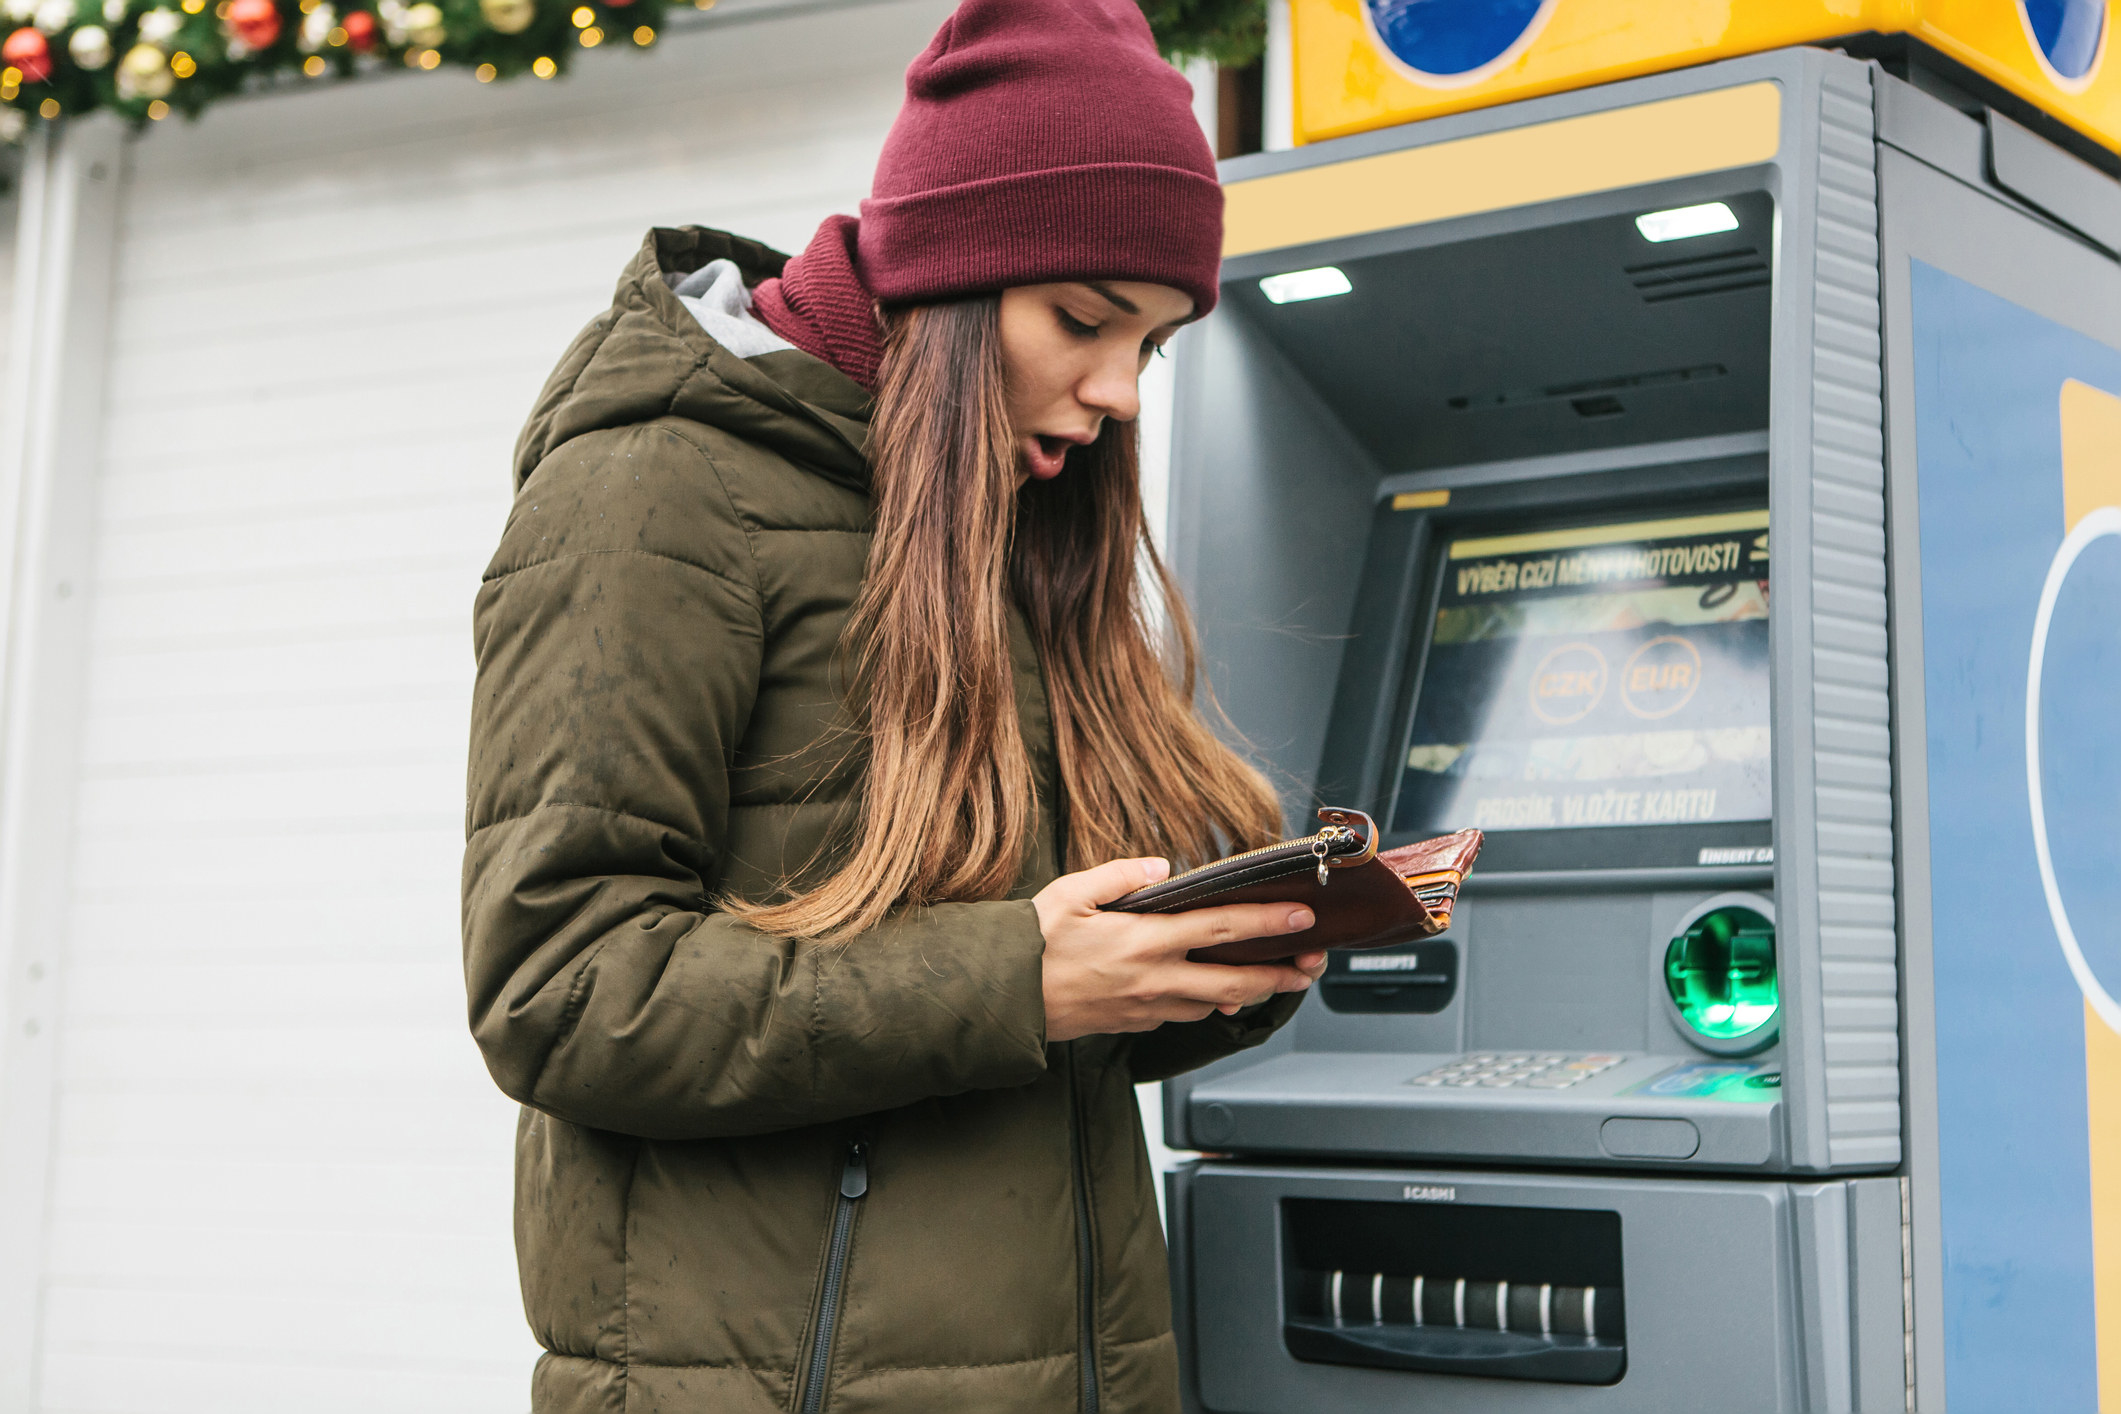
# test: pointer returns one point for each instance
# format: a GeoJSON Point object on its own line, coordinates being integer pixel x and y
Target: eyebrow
{"type": "Point", "coordinates": [1119, 301]}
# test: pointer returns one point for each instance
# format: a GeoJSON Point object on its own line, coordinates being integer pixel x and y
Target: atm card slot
{"type": "Point", "coordinates": [1511, 1293]}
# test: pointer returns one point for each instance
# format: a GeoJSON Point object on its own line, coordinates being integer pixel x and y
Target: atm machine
{"type": "Point", "coordinates": [1707, 482]}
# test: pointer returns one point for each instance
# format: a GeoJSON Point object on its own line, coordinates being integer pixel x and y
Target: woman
{"type": "Point", "coordinates": [813, 654]}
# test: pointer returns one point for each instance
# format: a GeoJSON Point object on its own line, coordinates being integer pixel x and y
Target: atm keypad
{"type": "Point", "coordinates": [1526, 1070]}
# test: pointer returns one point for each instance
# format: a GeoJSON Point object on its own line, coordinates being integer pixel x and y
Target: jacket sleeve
{"type": "Point", "coordinates": [1177, 1047]}
{"type": "Point", "coordinates": [616, 675]}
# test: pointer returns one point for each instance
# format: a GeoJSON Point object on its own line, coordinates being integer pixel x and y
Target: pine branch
{"type": "Point", "coordinates": [1233, 33]}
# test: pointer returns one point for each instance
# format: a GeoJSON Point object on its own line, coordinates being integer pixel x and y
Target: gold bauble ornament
{"type": "Point", "coordinates": [144, 73]}
{"type": "Point", "coordinates": [509, 16]}
{"type": "Point", "coordinates": [423, 25]}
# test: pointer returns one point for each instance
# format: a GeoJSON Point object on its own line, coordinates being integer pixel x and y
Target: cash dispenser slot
{"type": "Point", "coordinates": [1511, 1293]}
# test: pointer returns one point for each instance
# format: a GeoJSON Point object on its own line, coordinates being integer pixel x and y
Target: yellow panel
{"type": "Point", "coordinates": [1992, 40]}
{"type": "Point", "coordinates": [2091, 477]}
{"type": "Point", "coordinates": [1623, 147]}
{"type": "Point", "coordinates": [2091, 451]}
{"type": "Point", "coordinates": [2102, 1073]}
{"type": "Point", "coordinates": [1606, 534]}
{"type": "Point", "coordinates": [1347, 81]}
{"type": "Point", "coordinates": [1421, 500]}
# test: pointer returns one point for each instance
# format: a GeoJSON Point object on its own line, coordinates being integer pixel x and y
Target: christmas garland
{"type": "Point", "coordinates": [146, 59]}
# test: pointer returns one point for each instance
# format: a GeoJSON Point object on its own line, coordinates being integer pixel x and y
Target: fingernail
{"type": "Point", "coordinates": [1300, 919]}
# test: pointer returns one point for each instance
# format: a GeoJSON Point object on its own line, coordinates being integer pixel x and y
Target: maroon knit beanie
{"type": "Point", "coordinates": [1041, 140]}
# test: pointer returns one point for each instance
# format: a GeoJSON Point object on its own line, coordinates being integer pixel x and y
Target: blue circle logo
{"type": "Point", "coordinates": [2068, 33]}
{"type": "Point", "coordinates": [1452, 42]}
{"type": "Point", "coordinates": [2073, 754]}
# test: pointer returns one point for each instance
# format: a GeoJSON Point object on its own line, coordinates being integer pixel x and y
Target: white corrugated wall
{"type": "Point", "coordinates": [280, 1176]}
{"type": "Point", "coordinates": [7, 277]}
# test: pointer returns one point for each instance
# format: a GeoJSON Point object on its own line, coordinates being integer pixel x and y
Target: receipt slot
{"type": "Point", "coordinates": [1535, 476]}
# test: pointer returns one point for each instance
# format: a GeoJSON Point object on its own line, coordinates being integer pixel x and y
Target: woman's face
{"type": "Point", "coordinates": [1075, 354]}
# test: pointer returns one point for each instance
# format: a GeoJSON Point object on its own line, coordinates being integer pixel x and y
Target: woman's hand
{"type": "Point", "coordinates": [1111, 972]}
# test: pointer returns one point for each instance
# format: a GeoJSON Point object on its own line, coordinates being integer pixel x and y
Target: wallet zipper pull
{"type": "Point", "coordinates": [1324, 843]}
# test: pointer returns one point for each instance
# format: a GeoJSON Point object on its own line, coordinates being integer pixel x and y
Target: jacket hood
{"type": "Point", "coordinates": [646, 357]}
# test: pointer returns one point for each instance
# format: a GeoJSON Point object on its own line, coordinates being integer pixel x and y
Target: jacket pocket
{"type": "Point", "coordinates": [817, 1369]}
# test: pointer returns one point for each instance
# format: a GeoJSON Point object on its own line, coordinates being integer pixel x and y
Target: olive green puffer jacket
{"type": "Point", "coordinates": [756, 1174]}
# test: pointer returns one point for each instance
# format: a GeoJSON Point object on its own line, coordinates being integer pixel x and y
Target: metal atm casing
{"type": "Point", "coordinates": [1764, 1270]}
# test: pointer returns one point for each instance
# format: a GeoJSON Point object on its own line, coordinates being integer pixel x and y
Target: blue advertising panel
{"type": "Point", "coordinates": [2021, 605]}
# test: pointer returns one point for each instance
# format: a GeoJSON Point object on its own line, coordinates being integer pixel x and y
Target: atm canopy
{"type": "Point", "coordinates": [1558, 338]}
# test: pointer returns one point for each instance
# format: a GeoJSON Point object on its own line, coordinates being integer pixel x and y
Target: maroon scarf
{"type": "Point", "coordinates": [820, 304]}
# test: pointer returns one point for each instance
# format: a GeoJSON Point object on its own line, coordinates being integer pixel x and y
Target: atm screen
{"type": "Point", "coordinates": [1594, 677]}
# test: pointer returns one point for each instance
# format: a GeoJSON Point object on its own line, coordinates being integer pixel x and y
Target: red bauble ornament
{"type": "Point", "coordinates": [29, 51]}
{"type": "Point", "coordinates": [360, 27]}
{"type": "Point", "coordinates": [255, 22]}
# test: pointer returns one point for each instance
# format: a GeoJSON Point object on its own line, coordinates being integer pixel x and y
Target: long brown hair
{"type": "Point", "coordinates": [949, 807]}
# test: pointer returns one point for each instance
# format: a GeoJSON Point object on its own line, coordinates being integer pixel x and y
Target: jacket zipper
{"type": "Point", "coordinates": [1085, 1252]}
{"type": "Point", "coordinates": [854, 1182]}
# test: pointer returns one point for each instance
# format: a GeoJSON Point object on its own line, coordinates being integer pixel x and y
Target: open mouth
{"type": "Point", "coordinates": [1045, 456]}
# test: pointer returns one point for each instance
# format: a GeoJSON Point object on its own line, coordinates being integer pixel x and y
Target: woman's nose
{"type": "Point", "coordinates": [1113, 389]}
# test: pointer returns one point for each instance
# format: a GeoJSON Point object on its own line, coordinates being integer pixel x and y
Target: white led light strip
{"type": "Point", "coordinates": [1296, 286]}
{"type": "Point", "coordinates": [1685, 222]}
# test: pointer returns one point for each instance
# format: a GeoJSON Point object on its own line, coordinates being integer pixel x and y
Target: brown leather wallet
{"type": "Point", "coordinates": [1362, 899]}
